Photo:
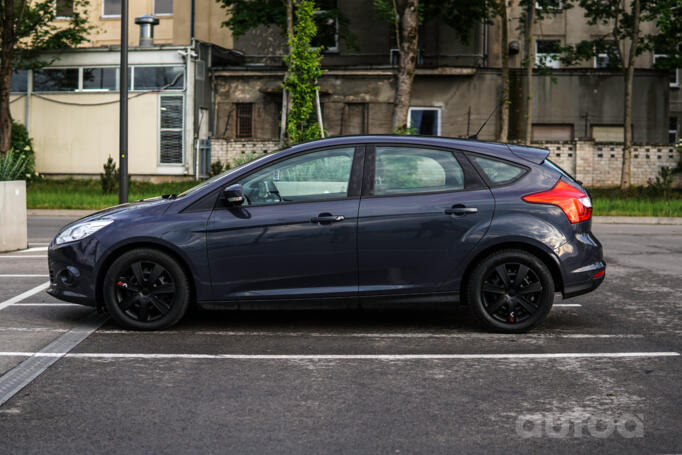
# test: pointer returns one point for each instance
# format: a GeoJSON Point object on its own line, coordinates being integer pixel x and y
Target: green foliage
{"type": "Point", "coordinates": [662, 184]}
{"type": "Point", "coordinates": [12, 165]}
{"type": "Point", "coordinates": [619, 18]}
{"type": "Point", "coordinates": [636, 201]}
{"type": "Point", "coordinates": [217, 167]}
{"type": "Point", "coordinates": [36, 32]}
{"type": "Point", "coordinates": [243, 159]}
{"type": "Point", "coordinates": [405, 130]}
{"type": "Point", "coordinates": [109, 178]}
{"type": "Point", "coordinates": [304, 69]}
{"type": "Point", "coordinates": [244, 15]}
{"type": "Point", "coordinates": [22, 142]}
{"type": "Point", "coordinates": [330, 169]}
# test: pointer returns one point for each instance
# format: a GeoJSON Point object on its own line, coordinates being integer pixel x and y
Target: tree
{"type": "Point", "coordinates": [303, 64]}
{"type": "Point", "coordinates": [503, 12]}
{"type": "Point", "coordinates": [625, 41]}
{"type": "Point", "coordinates": [405, 17]}
{"type": "Point", "coordinates": [27, 31]}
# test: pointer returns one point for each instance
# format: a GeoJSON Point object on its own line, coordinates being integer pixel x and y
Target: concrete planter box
{"type": "Point", "coordinates": [13, 226]}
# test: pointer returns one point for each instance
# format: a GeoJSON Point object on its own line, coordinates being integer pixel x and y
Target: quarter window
{"type": "Point", "coordinates": [413, 170]}
{"type": "Point", "coordinates": [322, 175]}
{"type": "Point", "coordinates": [498, 172]}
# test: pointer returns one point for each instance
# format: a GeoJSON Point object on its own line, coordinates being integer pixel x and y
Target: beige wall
{"type": "Point", "coordinates": [79, 139]}
{"type": "Point", "coordinates": [173, 29]}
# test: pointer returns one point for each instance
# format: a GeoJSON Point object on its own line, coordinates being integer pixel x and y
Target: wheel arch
{"type": "Point", "coordinates": [116, 252]}
{"type": "Point", "coordinates": [547, 257]}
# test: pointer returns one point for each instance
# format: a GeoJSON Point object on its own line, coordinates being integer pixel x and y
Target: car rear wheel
{"type": "Point", "coordinates": [510, 291]}
{"type": "Point", "coordinates": [146, 289]}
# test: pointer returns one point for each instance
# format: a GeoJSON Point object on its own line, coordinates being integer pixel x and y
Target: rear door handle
{"type": "Point", "coordinates": [461, 210]}
{"type": "Point", "coordinates": [327, 218]}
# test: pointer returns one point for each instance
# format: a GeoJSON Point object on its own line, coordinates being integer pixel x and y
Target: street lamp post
{"type": "Point", "coordinates": [123, 113]}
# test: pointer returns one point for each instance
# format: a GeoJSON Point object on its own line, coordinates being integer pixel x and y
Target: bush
{"type": "Point", "coordinates": [22, 143]}
{"type": "Point", "coordinates": [217, 167]}
{"type": "Point", "coordinates": [662, 184]}
{"type": "Point", "coordinates": [13, 166]}
{"type": "Point", "coordinates": [109, 178]}
{"type": "Point", "coordinates": [244, 158]}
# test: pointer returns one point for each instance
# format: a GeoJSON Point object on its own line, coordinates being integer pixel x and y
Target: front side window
{"type": "Point", "coordinates": [163, 7]}
{"type": "Point", "coordinates": [316, 176]}
{"type": "Point", "coordinates": [424, 121]}
{"type": "Point", "coordinates": [498, 172]}
{"type": "Point", "coordinates": [55, 80]}
{"type": "Point", "coordinates": [401, 170]}
{"type": "Point", "coordinates": [111, 7]}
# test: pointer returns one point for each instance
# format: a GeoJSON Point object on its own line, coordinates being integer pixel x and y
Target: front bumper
{"type": "Point", "coordinates": [72, 271]}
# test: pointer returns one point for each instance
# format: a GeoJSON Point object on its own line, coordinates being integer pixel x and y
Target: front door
{"type": "Point", "coordinates": [424, 211]}
{"type": "Point", "coordinates": [295, 235]}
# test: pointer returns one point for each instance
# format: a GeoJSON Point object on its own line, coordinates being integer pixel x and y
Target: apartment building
{"type": "Point", "coordinates": [71, 107]}
{"type": "Point", "coordinates": [456, 88]}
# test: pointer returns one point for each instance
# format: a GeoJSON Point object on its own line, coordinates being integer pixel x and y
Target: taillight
{"type": "Point", "coordinates": [576, 204]}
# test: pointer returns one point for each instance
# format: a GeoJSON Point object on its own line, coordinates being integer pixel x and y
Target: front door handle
{"type": "Point", "coordinates": [460, 210]}
{"type": "Point", "coordinates": [327, 218]}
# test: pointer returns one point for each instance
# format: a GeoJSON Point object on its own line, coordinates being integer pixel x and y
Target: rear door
{"type": "Point", "coordinates": [422, 212]}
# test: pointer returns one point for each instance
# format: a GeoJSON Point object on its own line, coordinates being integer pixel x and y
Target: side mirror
{"type": "Point", "coordinates": [233, 195]}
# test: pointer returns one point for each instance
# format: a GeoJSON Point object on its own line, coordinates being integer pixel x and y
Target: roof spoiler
{"type": "Point", "coordinates": [533, 154]}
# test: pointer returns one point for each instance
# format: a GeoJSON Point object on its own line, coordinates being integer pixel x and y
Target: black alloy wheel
{"type": "Point", "coordinates": [510, 291]}
{"type": "Point", "coordinates": [146, 290]}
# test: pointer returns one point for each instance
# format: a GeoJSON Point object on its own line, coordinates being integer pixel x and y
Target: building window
{"type": "Point", "coordinates": [171, 143]}
{"type": "Point", "coordinates": [547, 53]}
{"type": "Point", "coordinates": [100, 79]}
{"type": "Point", "coordinates": [19, 82]}
{"type": "Point", "coordinates": [424, 121]}
{"type": "Point", "coordinates": [607, 133]}
{"type": "Point", "coordinates": [244, 120]}
{"type": "Point", "coordinates": [660, 62]}
{"type": "Point", "coordinates": [606, 55]}
{"type": "Point", "coordinates": [159, 78]}
{"type": "Point", "coordinates": [327, 21]}
{"type": "Point", "coordinates": [55, 80]}
{"type": "Point", "coordinates": [63, 9]}
{"type": "Point", "coordinates": [163, 7]}
{"type": "Point", "coordinates": [548, 4]}
{"type": "Point", "coordinates": [111, 8]}
{"type": "Point", "coordinates": [672, 130]}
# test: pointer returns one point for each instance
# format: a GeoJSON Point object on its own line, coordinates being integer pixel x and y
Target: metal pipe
{"type": "Point", "coordinates": [123, 112]}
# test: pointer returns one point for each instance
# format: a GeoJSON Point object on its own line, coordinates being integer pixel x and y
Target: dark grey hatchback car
{"type": "Point", "coordinates": [350, 221]}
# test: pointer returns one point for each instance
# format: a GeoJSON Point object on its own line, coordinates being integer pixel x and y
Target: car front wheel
{"type": "Point", "coordinates": [146, 289]}
{"type": "Point", "coordinates": [510, 291]}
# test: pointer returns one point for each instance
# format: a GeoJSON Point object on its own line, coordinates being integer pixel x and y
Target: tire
{"type": "Point", "coordinates": [500, 303]}
{"type": "Point", "coordinates": [146, 289]}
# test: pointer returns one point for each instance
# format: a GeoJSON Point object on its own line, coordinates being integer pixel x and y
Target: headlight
{"type": "Point", "coordinates": [81, 230]}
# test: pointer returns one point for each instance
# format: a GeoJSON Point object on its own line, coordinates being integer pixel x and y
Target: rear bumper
{"type": "Point", "coordinates": [583, 267]}
{"type": "Point", "coordinates": [589, 284]}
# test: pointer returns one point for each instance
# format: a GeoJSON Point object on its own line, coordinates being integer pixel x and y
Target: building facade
{"type": "Point", "coordinates": [71, 107]}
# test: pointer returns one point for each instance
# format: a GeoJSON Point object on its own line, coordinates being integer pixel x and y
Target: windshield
{"type": "Point", "coordinates": [216, 177]}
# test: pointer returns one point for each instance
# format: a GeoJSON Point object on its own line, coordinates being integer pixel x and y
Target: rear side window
{"type": "Point", "coordinates": [498, 172]}
{"type": "Point", "coordinates": [556, 168]}
{"type": "Point", "coordinates": [402, 170]}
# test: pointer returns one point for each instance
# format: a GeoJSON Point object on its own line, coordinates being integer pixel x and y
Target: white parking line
{"type": "Point", "coordinates": [23, 256]}
{"type": "Point", "coordinates": [23, 276]}
{"type": "Point", "coordinates": [24, 295]}
{"type": "Point", "coordinates": [34, 248]}
{"type": "Point", "coordinates": [559, 355]}
{"type": "Point", "coordinates": [567, 305]}
{"type": "Point", "coordinates": [50, 304]}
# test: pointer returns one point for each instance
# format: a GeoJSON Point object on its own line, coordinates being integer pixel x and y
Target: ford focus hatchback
{"type": "Point", "coordinates": [351, 221]}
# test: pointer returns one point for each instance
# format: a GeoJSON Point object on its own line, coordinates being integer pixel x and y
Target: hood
{"type": "Point", "coordinates": [137, 208]}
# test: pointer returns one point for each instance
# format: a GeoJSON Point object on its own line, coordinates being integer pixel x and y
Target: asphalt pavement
{"type": "Point", "coordinates": [602, 374]}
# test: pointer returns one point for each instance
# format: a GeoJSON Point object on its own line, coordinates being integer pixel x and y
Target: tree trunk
{"type": "Point", "coordinates": [408, 63]}
{"type": "Point", "coordinates": [504, 52]}
{"type": "Point", "coordinates": [6, 55]}
{"type": "Point", "coordinates": [530, 63]}
{"type": "Point", "coordinates": [629, 73]}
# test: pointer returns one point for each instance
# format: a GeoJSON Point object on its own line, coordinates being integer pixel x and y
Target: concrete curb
{"type": "Point", "coordinates": [637, 220]}
{"type": "Point", "coordinates": [595, 219]}
{"type": "Point", "coordinates": [60, 212]}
